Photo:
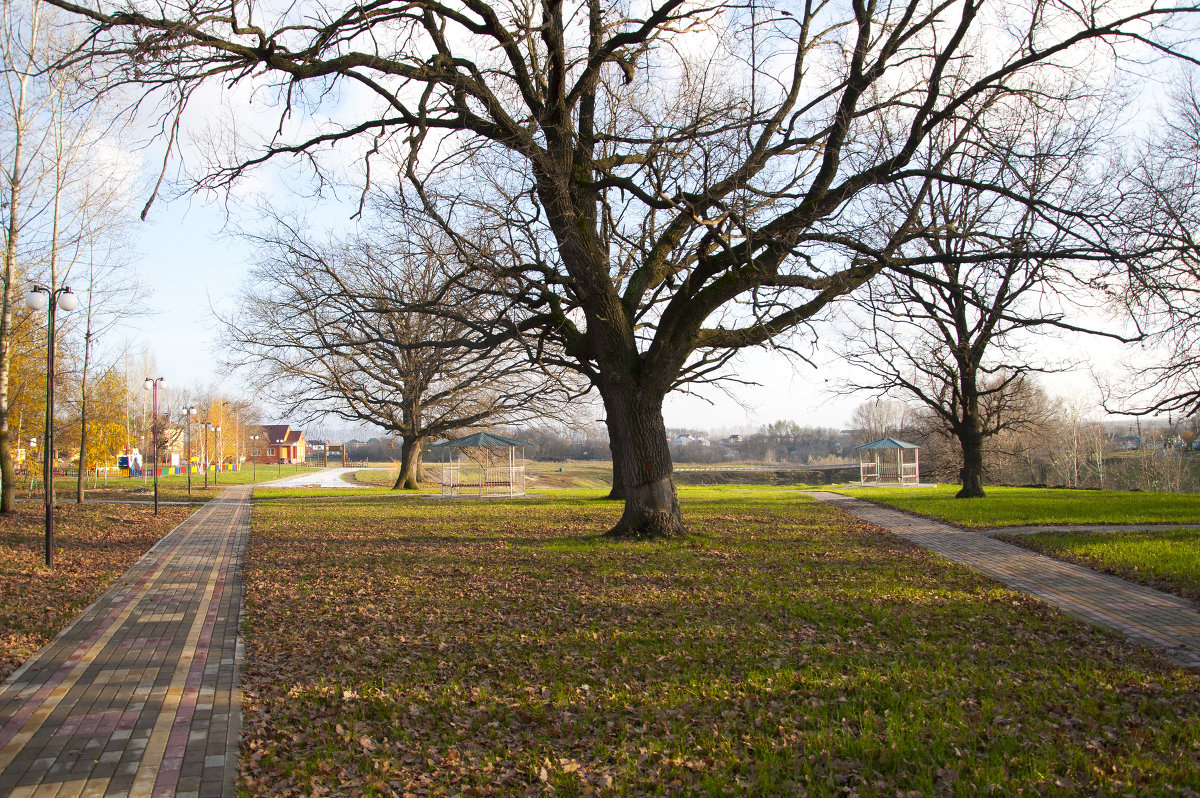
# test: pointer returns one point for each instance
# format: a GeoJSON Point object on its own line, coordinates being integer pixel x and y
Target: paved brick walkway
{"type": "Point", "coordinates": [1144, 615]}
{"type": "Point", "coordinates": [139, 695]}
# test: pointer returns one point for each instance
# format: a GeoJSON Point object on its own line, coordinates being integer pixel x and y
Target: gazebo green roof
{"type": "Point", "coordinates": [480, 439]}
{"type": "Point", "coordinates": [887, 443]}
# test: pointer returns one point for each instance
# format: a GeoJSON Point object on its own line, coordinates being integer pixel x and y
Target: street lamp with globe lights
{"type": "Point", "coordinates": [253, 459]}
{"type": "Point", "coordinates": [55, 299]}
{"type": "Point", "coordinates": [151, 384]}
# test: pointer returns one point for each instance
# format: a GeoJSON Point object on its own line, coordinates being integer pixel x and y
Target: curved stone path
{"type": "Point", "coordinates": [1160, 620]}
{"type": "Point", "coordinates": [139, 695]}
{"type": "Point", "coordinates": [325, 478]}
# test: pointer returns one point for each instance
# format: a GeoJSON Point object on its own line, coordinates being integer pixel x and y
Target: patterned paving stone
{"type": "Point", "coordinates": [1145, 615]}
{"type": "Point", "coordinates": [122, 701]}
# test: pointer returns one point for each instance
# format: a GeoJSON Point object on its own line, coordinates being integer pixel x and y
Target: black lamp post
{"type": "Point", "coordinates": [56, 299]}
{"type": "Point", "coordinates": [253, 461]}
{"type": "Point", "coordinates": [151, 384]}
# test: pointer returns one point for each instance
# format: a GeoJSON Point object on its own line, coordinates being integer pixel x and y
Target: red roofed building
{"type": "Point", "coordinates": [281, 444]}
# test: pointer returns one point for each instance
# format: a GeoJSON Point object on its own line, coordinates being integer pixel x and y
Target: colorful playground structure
{"type": "Point", "coordinates": [131, 464]}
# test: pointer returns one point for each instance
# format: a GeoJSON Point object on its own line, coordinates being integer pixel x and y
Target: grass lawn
{"type": "Point", "coordinates": [373, 477]}
{"type": "Point", "coordinates": [94, 545]}
{"type": "Point", "coordinates": [171, 488]}
{"type": "Point", "coordinates": [1017, 506]}
{"type": "Point", "coordinates": [1167, 560]}
{"type": "Point", "coordinates": [446, 647]}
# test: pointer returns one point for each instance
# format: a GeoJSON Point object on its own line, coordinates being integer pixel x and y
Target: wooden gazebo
{"type": "Point", "coordinates": [482, 464]}
{"type": "Point", "coordinates": [887, 461]}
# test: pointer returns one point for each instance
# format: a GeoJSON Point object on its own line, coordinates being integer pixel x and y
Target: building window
{"type": "Point", "coordinates": [270, 452]}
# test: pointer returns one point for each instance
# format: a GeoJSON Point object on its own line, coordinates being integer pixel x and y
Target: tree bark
{"type": "Point", "coordinates": [971, 473]}
{"type": "Point", "coordinates": [8, 471]}
{"type": "Point", "coordinates": [641, 455]}
{"type": "Point", "coordinates": [618, 479]}
{"type": "Point", "coordinates": [410, 463]}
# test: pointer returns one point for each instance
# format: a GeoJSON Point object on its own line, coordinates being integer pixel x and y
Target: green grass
{"type": "Point", "coordinates": [1018, 506]}
{"type": "Point", "coordinates": [507, 647]}
{"type": "Point", "coordinates": [374, 477]}
{"type": "Point", "coordinates": [1167, 560]}
{"type": "Point", "coordinates": [170, 488]}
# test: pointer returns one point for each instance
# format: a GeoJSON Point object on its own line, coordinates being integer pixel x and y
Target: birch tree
{"type": "Point", "coordinates": [20, 43]}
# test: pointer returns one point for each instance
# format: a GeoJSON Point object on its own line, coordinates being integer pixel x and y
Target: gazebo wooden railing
{"type": "Point", "coordinates": [886, 461]}
{"type": "Point", "coordinates": [482, 465]}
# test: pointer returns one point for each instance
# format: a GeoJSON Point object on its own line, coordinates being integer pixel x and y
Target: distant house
{"type": "Point", "coordinates": [283, 445]}
{"type": "Point", "coordinates": [1127, 442]}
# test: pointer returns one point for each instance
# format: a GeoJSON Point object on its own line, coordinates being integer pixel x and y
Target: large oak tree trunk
{"type": "Point", "coordinates": [642, 457]}
{"type": "Point", "coordinates": [969, 431]}
{"type": "Point", "coordinates": [972, 467]}
{"type": "Point", "coordinates": [410, 463]}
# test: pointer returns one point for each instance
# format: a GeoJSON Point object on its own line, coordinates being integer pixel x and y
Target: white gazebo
{"type": "Point", "coordinates": [482, 464]}
{"type": "Point", "coordinates": [886, 461]}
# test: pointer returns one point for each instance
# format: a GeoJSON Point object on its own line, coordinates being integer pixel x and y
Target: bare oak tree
{"type": "Point", "coordinates": [331, 329]}
{"type": "Point", "coordinates": [996, 253]}
{"type": "Point", "coordinates": [689, 177]}
{"type": "Point", "coordinates": [1164, 374]}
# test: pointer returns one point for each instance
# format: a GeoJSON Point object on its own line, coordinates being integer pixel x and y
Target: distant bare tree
{"type": "Point", "coordinates": [876, 418]}
{"type": "Point", "coordinates": [996, 253]}
{"type": "Point", "coordinates": [1163, 374]}
{"type": "Point", "coordinates": [330, 328]}
{"type": "Point", "coordinates": [1017, 454]}
{"type": "Point", "coordinates": [678, 180]}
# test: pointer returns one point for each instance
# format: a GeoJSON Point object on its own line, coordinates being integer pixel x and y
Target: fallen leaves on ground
{"type": "Point", "coordinates": [483, 648]}
{"type": "Point", "coordinates": [94, 544]}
